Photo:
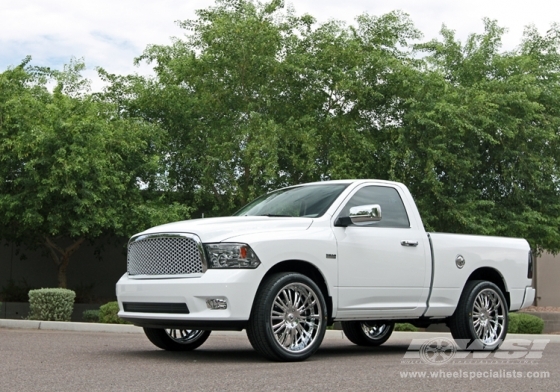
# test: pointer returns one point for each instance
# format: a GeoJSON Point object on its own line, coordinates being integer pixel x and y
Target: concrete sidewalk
{"type": "Point", "coordinates": [123, 328]}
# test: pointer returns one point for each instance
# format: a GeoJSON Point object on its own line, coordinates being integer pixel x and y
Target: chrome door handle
{"type": "Point", "coordinates": [409, 243]}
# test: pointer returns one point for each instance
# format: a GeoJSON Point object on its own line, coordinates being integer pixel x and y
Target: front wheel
{"type": "Point", "coordinates": [368, 333]}
{"type": "Point", "coordinates": [289, 318]}
{"type": "Point", "coordinates": [176, 339]}
{"type": "Point", "coordinates": [480, 321]}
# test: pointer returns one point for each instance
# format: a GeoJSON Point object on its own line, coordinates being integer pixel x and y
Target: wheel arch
{"type": "Point", "coordinates": [307, 269]}
{"type": "Point", "coordinates": [491, 275]}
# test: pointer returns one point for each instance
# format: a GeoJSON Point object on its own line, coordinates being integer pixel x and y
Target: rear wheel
{"type": "Point", "coordinates": [368, 333]}
{"type": "Point", "coordinates": [289, 318]}
{"type": "Point", "coordinates": [480, 321]}
{"type": "Point", "coordinates": [176, 339]}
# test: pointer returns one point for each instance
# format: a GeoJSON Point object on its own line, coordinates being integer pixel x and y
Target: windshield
{"type": "Point", "coordinates": [303, 201]}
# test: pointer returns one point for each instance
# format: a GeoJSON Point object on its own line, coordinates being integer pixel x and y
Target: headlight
{"type": "Point", "coordinates": [231, 255]}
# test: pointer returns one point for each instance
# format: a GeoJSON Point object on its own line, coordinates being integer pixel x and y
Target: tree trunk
{"type": "Point", "coordinates": [61, 257]}
{"type": "Point", "coordinates": [62, 267]}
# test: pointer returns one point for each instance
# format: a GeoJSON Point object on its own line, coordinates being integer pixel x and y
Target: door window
{"type": "Point", "coordinates": [393, 213]}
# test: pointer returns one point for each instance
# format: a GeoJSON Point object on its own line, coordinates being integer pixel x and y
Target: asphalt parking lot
{"type": "Point", "coordinates": [34, 359]}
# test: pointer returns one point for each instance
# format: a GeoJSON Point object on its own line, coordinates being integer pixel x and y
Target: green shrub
{"type": "Point", "coordinates": [513, 323]}
{"type": "Point", "coordinates": [91, 316]}
{"type": "Point", "coordinates": [405, 327]}
{"type": "Point", "coordinates": [525, 323]}
{"type": "Point", "coordinates": [108, 314]}
{"type": "Point", "coordinates": [51, 304]}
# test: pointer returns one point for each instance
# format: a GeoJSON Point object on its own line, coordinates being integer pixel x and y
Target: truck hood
{"type": "Point", "coordinates": [220, 229]}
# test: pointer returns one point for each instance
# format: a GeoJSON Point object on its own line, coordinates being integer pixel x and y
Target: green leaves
{"type": "Point", "coordinates": [51, 304]}
{"type": "Point", "coordinates": [255, 97]}
{"type": "Point", "coordinates": [73, 167]}
{"type": "Point", "coordinates": [489, 138]}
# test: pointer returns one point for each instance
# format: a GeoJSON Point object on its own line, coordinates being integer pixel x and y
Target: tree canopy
{"type": "Point", "coordinates": [73, 169]}
{"type": "Point", "coordinates": [254, 97]}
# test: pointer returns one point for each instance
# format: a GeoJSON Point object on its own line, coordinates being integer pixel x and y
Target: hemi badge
{"type": "Point", "coordinates": [331, 256]}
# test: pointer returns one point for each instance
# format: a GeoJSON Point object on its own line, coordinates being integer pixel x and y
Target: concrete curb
{"type": "Point", "coordinates": [111, 328]}
{"type": "Point", "coordinates": [122, 328]}
{"type": "Point", "coordinates": [69, 326]}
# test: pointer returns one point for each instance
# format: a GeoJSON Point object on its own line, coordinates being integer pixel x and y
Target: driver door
{"type": "Point", "coordinates": [379, 275]}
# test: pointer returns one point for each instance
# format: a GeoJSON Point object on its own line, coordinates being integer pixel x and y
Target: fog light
{"type": "Point", "coordinates": [216, 304]}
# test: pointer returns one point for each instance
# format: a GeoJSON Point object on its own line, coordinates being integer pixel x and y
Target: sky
{"type": "Point", "coordinates": [111, 33]}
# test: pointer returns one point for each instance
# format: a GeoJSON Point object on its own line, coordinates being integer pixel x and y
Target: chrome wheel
{"type": "Point", "coordinates": [480, 320]}
{"type": "Point", "coordinates": [489, 316]}
{"type": "Point", "coordinates": [184, 336]}
{"type": "Point", "coordinates": [289, 317]}
{"type": "Point", "coordinates": [368, 333]}
{"type": "Point", "coordinates": [296, 317]}
{"type": "Point", "coordinates": [176, 339]}
{"type": "Point", "coordinates": [374, 330]}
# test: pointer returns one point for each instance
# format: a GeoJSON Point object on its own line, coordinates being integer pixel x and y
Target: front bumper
{"type": "Point", "coordinates": [236, 287]}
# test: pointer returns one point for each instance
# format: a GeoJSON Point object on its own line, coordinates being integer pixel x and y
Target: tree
{"type": "Point", "coordinates": [479, 138]}
{"type": "Point", "coordinates": [255, 97]}
{"type": "Point", "coordinates": [73, 169]}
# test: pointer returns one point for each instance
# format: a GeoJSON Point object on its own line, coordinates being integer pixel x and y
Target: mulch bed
{"type": "Point", "coordinates": [544, 309]}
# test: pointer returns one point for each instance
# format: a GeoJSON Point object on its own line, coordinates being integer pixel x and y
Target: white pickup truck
{"type": "Point", "coordinates": [296, 260]}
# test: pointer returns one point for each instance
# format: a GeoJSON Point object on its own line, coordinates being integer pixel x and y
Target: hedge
{"type": "Point", "coordinates": [405, 327]}
{"type": "Point", "coordinates": [108, 314]}
{"type": "Point", "coordinates": [91, 316]}
{"type": "Point", "coordinates": [51, 304]}
{"type": "Point", "coordinates": [525, 323]}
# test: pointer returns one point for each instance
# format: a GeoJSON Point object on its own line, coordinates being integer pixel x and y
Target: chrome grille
{"type": "Point", "coordinates": [164, 255]}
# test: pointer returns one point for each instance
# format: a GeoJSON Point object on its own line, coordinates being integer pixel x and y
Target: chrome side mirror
{"type": "Point", "coordinates": [362, 215]}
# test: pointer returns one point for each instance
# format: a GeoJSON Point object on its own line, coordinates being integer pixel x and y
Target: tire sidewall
{"type": "Point", "coordinates": [160, 338]}
{"type": "Point", "coordinates": [354, 332]}
{"type": "Point", "coordinates": [476, 343]}
{"type": "Point", "coordinates": [275, 288]}
{"type": "Point", "coordinates": [195, 342]}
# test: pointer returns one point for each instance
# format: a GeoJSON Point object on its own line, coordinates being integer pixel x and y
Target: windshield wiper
{"type": "Point", "coordinates": [276, 215]}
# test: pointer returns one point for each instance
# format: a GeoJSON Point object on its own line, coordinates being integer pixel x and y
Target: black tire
{"type": "Point", "coordinates": [288, 319]}
{"type": "Point", "coordinates": [368, 333]}
{"type": "Point", "coordinates": [481, 319]}
{"type": "Point", "coordinates": [176, 339]}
